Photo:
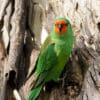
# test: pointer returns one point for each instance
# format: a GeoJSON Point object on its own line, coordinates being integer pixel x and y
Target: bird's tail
{"type": "Point", "coordinates": [35, 92]}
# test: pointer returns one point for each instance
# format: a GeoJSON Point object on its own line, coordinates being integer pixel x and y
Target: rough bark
{"type": "Point", "coordinates": [24, 25]}
{"type": "Point", "coordinates": [15, 30]}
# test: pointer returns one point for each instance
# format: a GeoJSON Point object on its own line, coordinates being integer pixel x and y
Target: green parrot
{"type": "Point", "coordinates": [54, 54]}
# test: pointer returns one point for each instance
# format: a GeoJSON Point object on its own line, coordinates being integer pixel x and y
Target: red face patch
{"type": "Point", "coordinates": [60, 27]}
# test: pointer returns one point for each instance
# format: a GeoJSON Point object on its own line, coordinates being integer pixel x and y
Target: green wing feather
{"type": "Point", "coordinates": [46, 60]}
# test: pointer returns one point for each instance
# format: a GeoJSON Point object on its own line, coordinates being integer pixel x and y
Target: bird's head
{"type": "Point", "coordinates": [62, 29]}
{"type": "Point", "coordinates": [61, 25]}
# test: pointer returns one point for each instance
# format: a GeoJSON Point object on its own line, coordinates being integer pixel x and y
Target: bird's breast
{"type": "Point", "coordinates": [60, 49]}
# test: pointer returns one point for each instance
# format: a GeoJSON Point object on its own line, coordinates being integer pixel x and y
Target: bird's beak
{"type": "Point", "coordinates": [60, 27]}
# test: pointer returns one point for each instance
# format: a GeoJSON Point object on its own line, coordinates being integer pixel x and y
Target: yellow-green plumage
{"type": "Point", "coordinates": [53, 56]}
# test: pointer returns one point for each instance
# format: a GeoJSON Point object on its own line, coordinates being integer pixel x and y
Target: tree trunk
{"type": "Point", "coordinates": [24, 25]}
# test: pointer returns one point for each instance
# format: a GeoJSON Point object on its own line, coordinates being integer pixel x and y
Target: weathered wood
{"type": "Point", "coordinates": [2, 60]}
{"type": "Point", "coordinates": [16, 32]}
{"type": "Point", "coordinates": [6, 27]}
{"type": "Point", "coordinates": [3, 8]}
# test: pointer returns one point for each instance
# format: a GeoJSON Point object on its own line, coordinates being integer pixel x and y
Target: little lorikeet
{"type": "Point", "coordinates": [53, 56]}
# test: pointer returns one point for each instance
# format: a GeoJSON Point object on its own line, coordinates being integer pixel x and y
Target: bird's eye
{"type": "Point", "coordinates": [56, 24]}
{"type": "Point", "coordinates": [66, 24]}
